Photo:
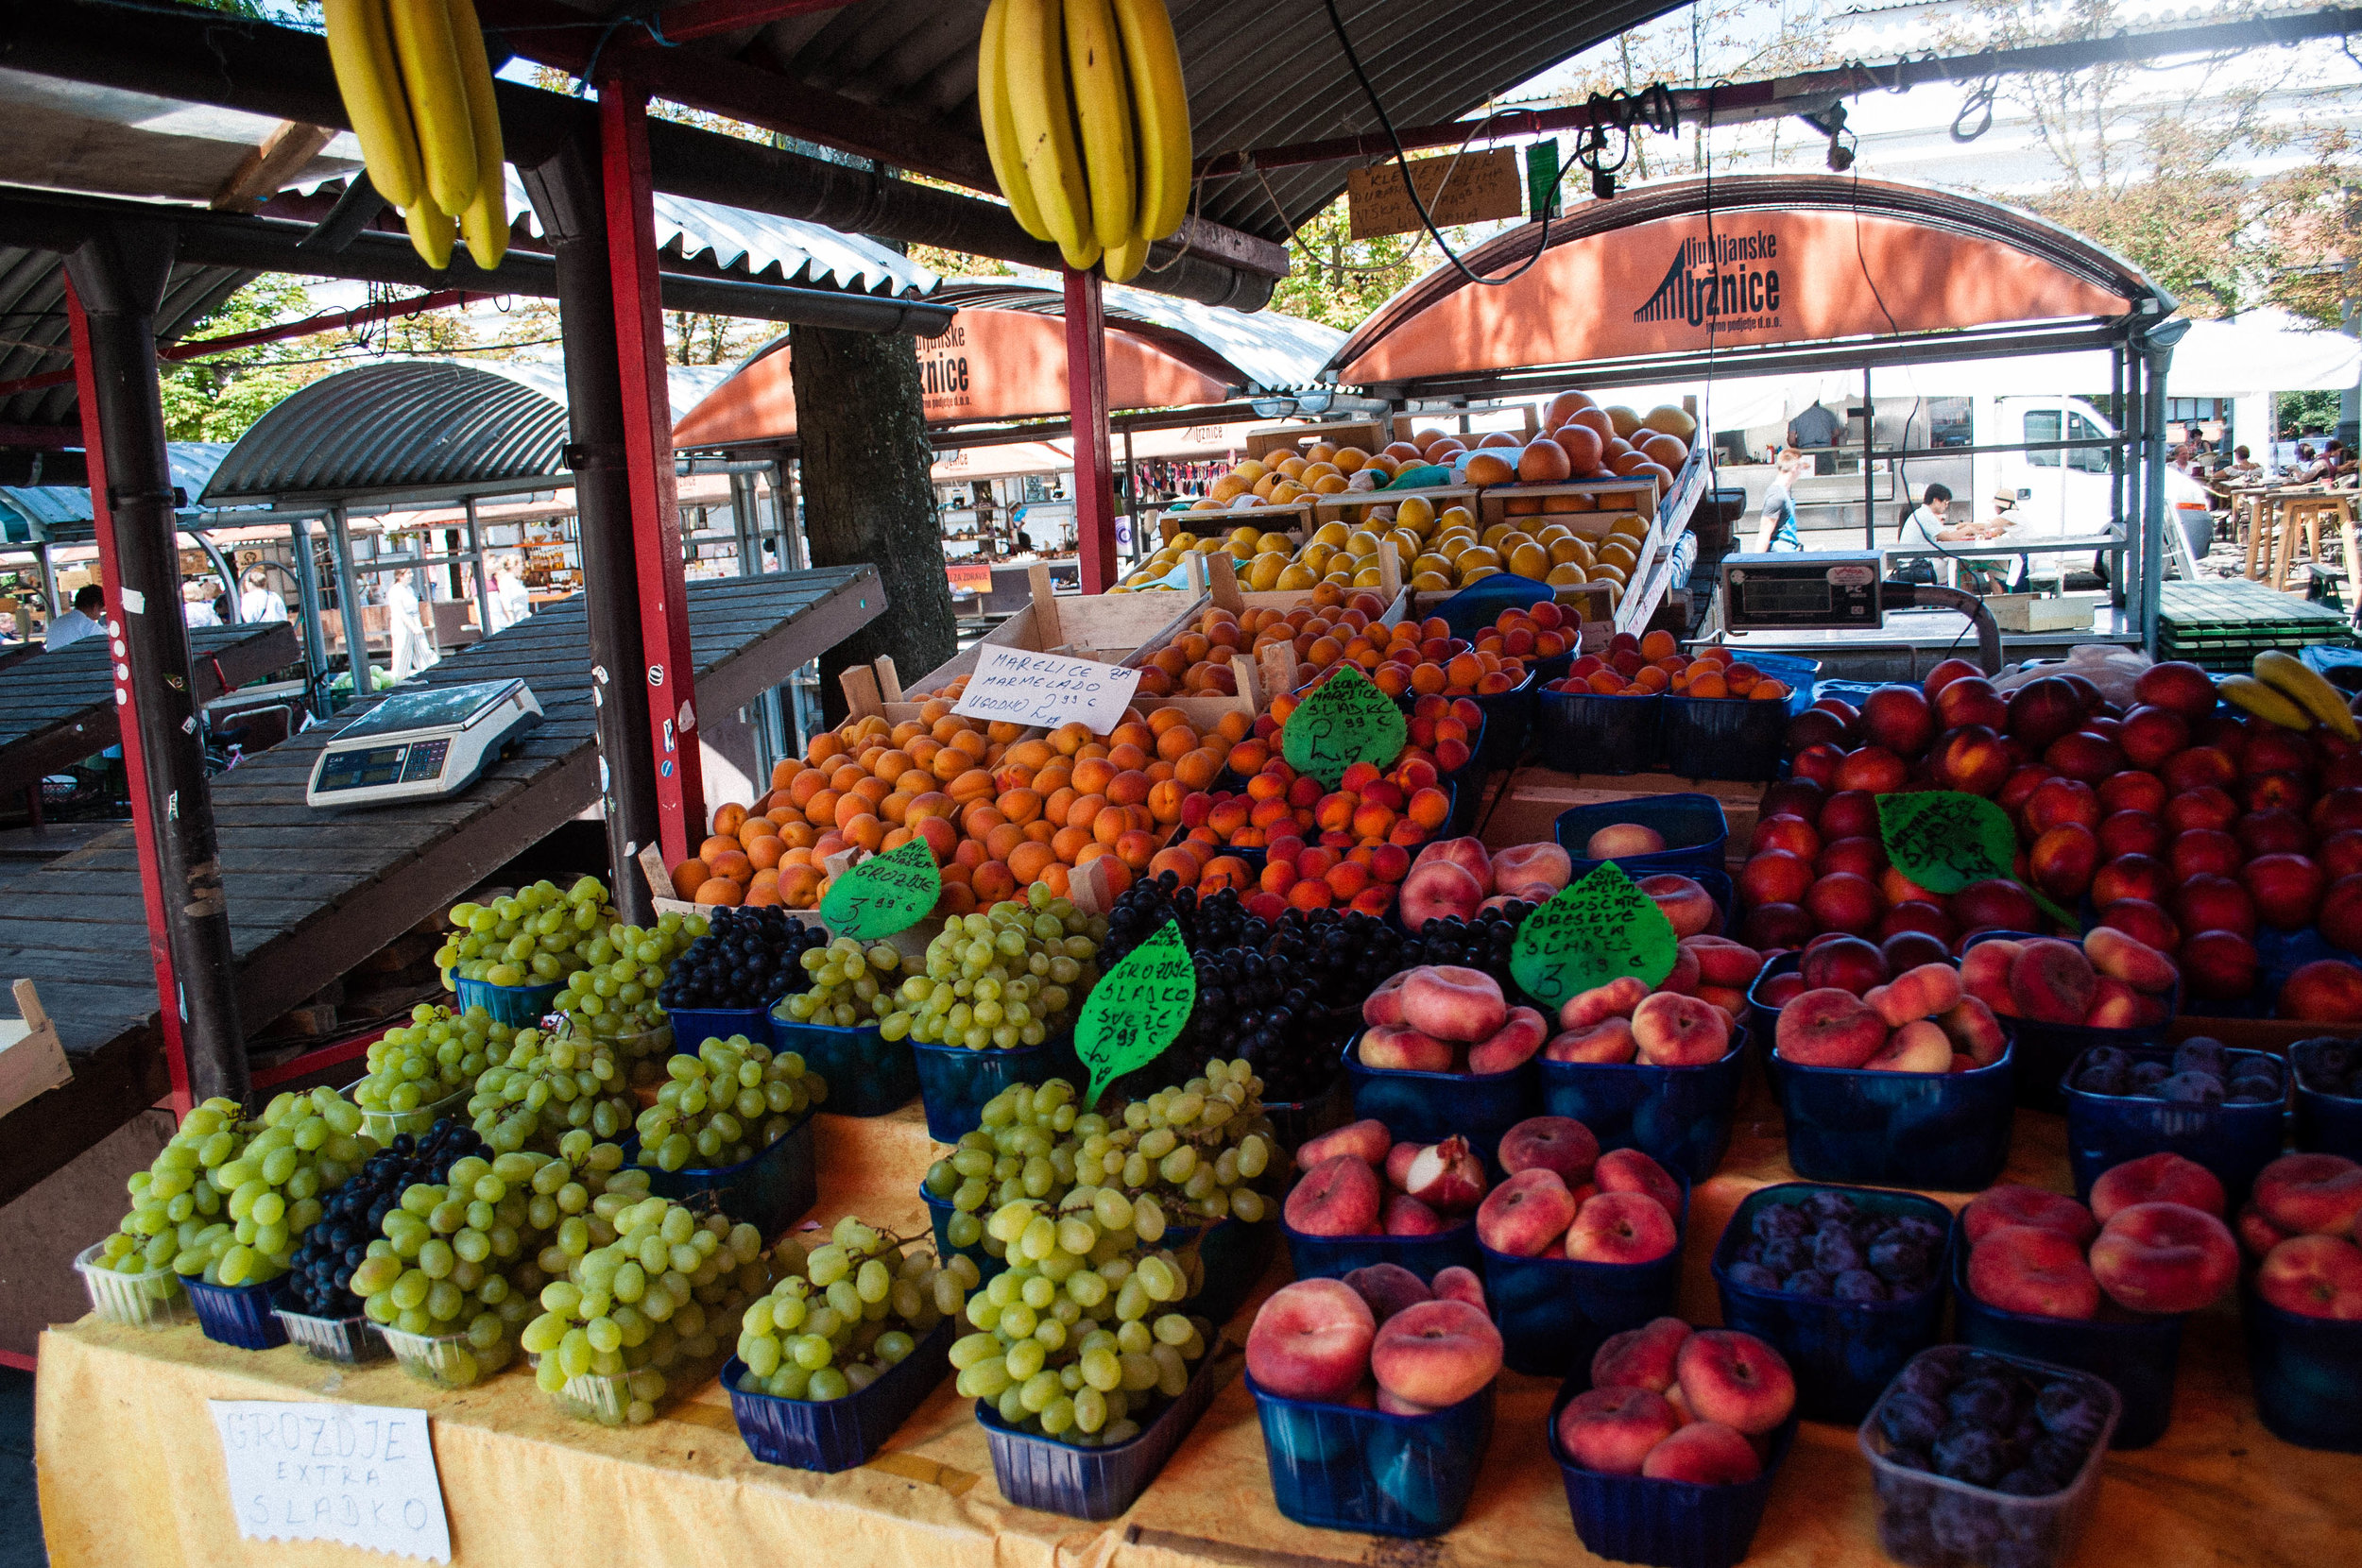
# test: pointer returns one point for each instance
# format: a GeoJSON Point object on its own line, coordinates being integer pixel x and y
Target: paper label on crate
{"type": "Point", "coordinates": [363, 1474]}
{"type": "Point", "coordinates": [1136, 1009]}
{"type": "Point", "coordinates": [884, 893]}
{"type": "Point", "coordinates": [1346, 720]}
{"type": "Point", "coordinates": [1016, 686]}
{"type": "Point", "coordinates": [1595, 929]}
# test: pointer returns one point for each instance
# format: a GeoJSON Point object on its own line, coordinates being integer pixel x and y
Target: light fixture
{"type": "Point", "coordinates": [1273, 408]}
{"type": "Point", "coordinates": [1314, 400]}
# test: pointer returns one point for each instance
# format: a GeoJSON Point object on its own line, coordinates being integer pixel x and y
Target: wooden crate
{"type": "Point", "coordinates": [1347, 507]}
{"type": "Point", "coordinates": [1101, 626]}
{"type": "Point", "coordinates": [1534, 797]}
{"type": "Point", "coordinates": [32, 1062]}
{"type": "Point", "coordinates": [1291, 516]}
{"type": "Point", "coordinates": [1649, 584]}
{"type": "Point", "coordinates": [1636, 493]}
{"type": "Point", "coordinates": [1290, 440]}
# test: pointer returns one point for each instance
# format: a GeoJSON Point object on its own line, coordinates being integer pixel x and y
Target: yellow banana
{"type": "Point", "coordinates": [1160, 107]}
{"type": "Point", "coordinates": [485, 220]}
{"type": "Point", "coordinates": [438, 100]}
{"type": "Point", "coordinates": [361, 49]}
{"type": "Point", "coordinates": [1124, 262]}
{"type": "Point", "coordinates": [2306, 687]}
{"type": "Point", "coordinates": [992, 104]}
{"type": "Point", "coordinates": [2265, 701]}
{"type": "Point", "coordinates": [431, 231]}
{"type": "Point", "coordinates": [1034, 47]}
{"type": "Point", "coordinates": [1104, 109]}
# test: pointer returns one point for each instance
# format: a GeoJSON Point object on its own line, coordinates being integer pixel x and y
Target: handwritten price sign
{"type": "Point", "coordinates": [1945, 839]}
{"type": "Point", "coordinates": [1136, 1009]}
{"type": "Point", "coordinates": [1590, 933]}
{"type": "Point", "coordinates": [1011, 686]}
{"type": "Point", "coordinates": [360, 1473]}
{"type": "Point", "coordinates": [1344, 721]}
{"type": "Point", "coordinates": [884, 894]}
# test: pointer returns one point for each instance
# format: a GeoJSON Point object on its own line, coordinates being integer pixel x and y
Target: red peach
{"type": "Point", "coordinates": [2122, 957]}
{"type": "Point", "coordinates": [2064, 859]}
{"type": "Point", "coordinates": [1643, 1357]}
{"type": "Point", "coordinates": [2336, 812]}
{"type": "Point", "coordinates": [2130, 876]}
{"type": "Point", "coordinates": [2286, 889]}
{"type": "Point", "coordinates": [2213, 903]}
{"type": "Point", "coordinates": [2131, 833]}
{"type": "Point", "coordinates": [2164, 1176]}
{"type": "Point", "coordinates": [1337, 1197]}
{"type": "Point", "coordinates": [2050, 982]}
{"type": "Point", "coordinates": [1847, 963]}
{"type": "Point", "coordinates": [1849, 814]}
{"type": "Point", "coordinates": [2311, 1194]}
{"type": "Point", "coordinates": [1704, 1453]}
{"type": "Point", "coordinates": [2045, 708]}
{"type": "Point", "coordinates": [1558, 1144]}
{"type": "Point", "coordinates": [2271, 749]}
{"type": "Point", "coordinates": [1975, 1032]}
{"type": "Point", "coordinates": [1621, 1227]}
{"type": "Point", "coordinates": [1616, 999]}
{"type": "Point", "coordinates": [2199, 768]}
{"type": "Point", "coordinates": [2278, 792]}
{"type": "Point", "coordinates": [1919, 993]}
{"type": "Point", "coordinates": [2202, 852]}
{"type": "Point", "coordinates": [1399, 1163]}
{"type": "Point", "coordinates": [1673, 1030]}
{"type": "Point", "coordinates": [1457, 1283]}
{"type": "Point", "coordinates": [1311, 1340]}
{"type": "Point", "coordinates": [1864, 857]}
{"type": "Point", "coordinates": [1611, 1431]}
{"type": "Point", "coordinates": [1970, 759]}
{"type": "Point", "coordinates": [1912, 933]}
{"type": "Point", "coordinates": [1406, 1215]}
{"type": "Point", "coordinates": [1388, 1288]}
{"type": "Point", "coordinates": [1512, 1045]}
{"type": "Point", "coordinates": [1399, 1048]}
{"type": "Point", "coordinates": [1436, 1354]}
{"type": "Point", "coordinates": [1437, 891]}
{"type": "Point", "coordinates": [2020, 786]}
{"type": "Point", "coordinates": [2314, 1276]}
{"type": "Point", "coordinates": [2150, 735]}
{"type": "Point", "coordinates": [1526, 1214]}
{"type": "Point", "coordinates": [2084, 754]}
{"type": "Point", "coordinates": [1795, 797]}
{"type": "Point", "coordinates": [2178, 684]}
{"type": "Point", "coordinates": [1829, 1028]}
{"type": "Point", "coordinates": [1945, 673]}
{"type": "Point", "coordinates": [1366, 1140]}
{"type": "Point", "coordinates": [2277, 830]}
{"type": "Point", "coordinates": [1971, 700]}
{"type": "Point", "coordinates": [2013, 1203]}
{"type": "Point", "coordinates": [1447, 1177]}
{"type": "Point", "coordinates": [1774, 928]}
{"type": "Point", "coordinates": [1609, 1041]}
{"type": "Point", "coordinates": [1919, 1046]}
{"type": "Point", "coordinates": [2132, 791]}
{"type": "Point", "coordinates": [1994, 903]}
{"type": "Point", "coordinates": [1724, 961]}
{"type": "Point", "coordinates": [2220, 966]}
{"type": "Point", "coordinates": [2032, 1269]}
{"type": "Point", "coordinates": [2114, 1005]}
{"type": "Point", "coordinates": [2143, 920]}
{"type": "Point", "coordinates": [1453, 1003]}
{"type": "Point", "coordinates": [2340, 917]}
{"type": "Point", "coordinates": [1873, 768]}
{"type": "Point", "coordinates": [2256, 1234]}
{"type": "Point", "coordinates": [1629, 1170]}
{"type": "Point", "coordinates": [1686, 904]}
{"type": "Point", "coordinates": [1621, 839]}
{"type": "Point", "coordinates": [1736, 1379]}
{"type": "Point", "coordinates": [2165, 1258]}
{"type": "Point", "coordinates": [2205, 808]}
{"type": "Point", "coordinates": [2326, 991]}
{"type": "Point", "coordinates": [1898, 718]}
{"type": "Point", "coordinates": [2058, 800]}
{"type": "Point", "coordinates": [1793, 834]}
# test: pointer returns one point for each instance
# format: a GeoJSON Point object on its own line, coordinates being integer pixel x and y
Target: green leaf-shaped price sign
{"type": "Point", "coordinates": [1945, 839]}
{"type": "Point", "coordinates": [884, 893]}
{"type": "Point", "coordinates": [1591, 932]}
{"type": "Point", "coordinates": [1137, 1009]}
{"type": "Point", "coordinates": [1344, 721]}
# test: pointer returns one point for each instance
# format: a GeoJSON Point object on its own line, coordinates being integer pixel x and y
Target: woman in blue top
{"type": "Point", "coordinates": [1778, 531]}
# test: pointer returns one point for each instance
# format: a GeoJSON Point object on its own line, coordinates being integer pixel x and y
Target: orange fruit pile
{"type": "Point", "coordinates": [1198, 663]}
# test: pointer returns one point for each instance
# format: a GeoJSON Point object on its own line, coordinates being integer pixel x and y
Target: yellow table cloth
{"type": "Point", "coordinates": [131, 1473]}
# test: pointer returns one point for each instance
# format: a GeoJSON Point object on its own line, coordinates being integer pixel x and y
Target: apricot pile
{"type": "Point", "coordinates": [1650, 665]}
{"type": "Point", "coordinates": [1198, 663]}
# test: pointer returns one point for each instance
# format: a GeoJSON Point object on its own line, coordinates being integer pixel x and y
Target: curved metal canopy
{"type": "Point", "coordinates": [1265, 351]}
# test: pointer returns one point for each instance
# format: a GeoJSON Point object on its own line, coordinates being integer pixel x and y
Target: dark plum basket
{"type": "Point", "coordinates": [770, 1189]}
{"type": "Point", "coordinates": [2303, 1371]}
{"type": "Point", "coordinates": [518, 1006]}
{"type": "Point", "coordinates": [1679, 1116]}
{"type": "Point", "coordinates": [939, 1213]}
{"type": "Point", "coordinates": [239, 1314]}
{"type": "Point", "coordinates": [1335, 1256]}
{"type": "Point", "coordinates": [2327, 1123]}
{"type": "Point", "coordinates": [693, 1026]}
{"type": "Point", "coordinates": [2045, 1052]}
{"type": "Point", "coordinates": [1091, 1483]}
{"type": "Point", "coordinates": [2042, 1530]}
{"type": "Point", "coordinates": [1429, 1107]}
{"type": "Point", "coordinates": [830, 1435]}
{"type": "Point", "coordinates": [954, 1081]}
{"type": "Point", "coordinates": [2135, 1356]}
{"type": "Point", "coordinates": [1588, 732]}
{"type": "Point", "coordinates": [1693, 827]}
{"type": "Point", "coordinates": [1555, 1312]}
{"type": "Point", "coordinates": [867, 1074]}
{"type": "Point", "coordinates": [1945, 1132]}
{"type": "Point", "coordinates": [1337, 1467]}
{"type": "Point", "coordinates": [1844, 1353]}
{"type": "Point", "coordinates": [1667, 1524]}
{"type": "Point", "coordinates": [2232, 1141]}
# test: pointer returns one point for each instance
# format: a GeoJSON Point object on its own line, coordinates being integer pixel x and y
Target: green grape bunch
{"type": "Point", "coordinates": [552, 1082]}
{"type": "Point", "coordinates": [438, 1053]}
{"type": "Point", "coordinates": [531, 937]}
{"type": "Point", "coordinates": [846, 1312]}
{"type": "Point", "coordinates": [653, 1300]}
{"type": "Point", "coordinates": [724, 1104]}
{"type": "Point", "coordinates": [228, 1199]}
{"type": "Point", "coordinates": [1077, 1339]}
{"type": "Point", "coordinates": [612, 996]}
{"type": "Point", "coordinates": [850, 984]}
{"type": "Point", "coordinates": [1000, 978]}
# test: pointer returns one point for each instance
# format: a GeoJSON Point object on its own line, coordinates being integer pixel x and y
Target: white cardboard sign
{"type": "Point", "coordinates": [1011, 686]}
{"type": "Point", "coordinates": [363, 1474]}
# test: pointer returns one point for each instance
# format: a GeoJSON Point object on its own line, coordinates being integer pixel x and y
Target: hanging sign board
{"type": "Point", "coordinates": [1468, 187]}
{"type": "Point", "coordinates": [969, 578]}
{"type": "Point", "coordinates": [1012, 685]}
{"type": "Point", "coordinates": [363, 1474]}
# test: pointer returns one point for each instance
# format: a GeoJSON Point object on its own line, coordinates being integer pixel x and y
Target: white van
{"type": "Point", "coordinates": [2064, 493]}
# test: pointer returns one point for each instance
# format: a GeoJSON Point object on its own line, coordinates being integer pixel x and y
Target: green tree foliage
{"type": "Point", "coordinates": [218, 398]}
{"type": "Point", "coordinates": [2298, 412]}
{"type": "Point", "coordinates": [1338, 280]}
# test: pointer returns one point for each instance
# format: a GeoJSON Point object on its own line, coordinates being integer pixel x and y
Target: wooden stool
{"type": "Point", "coordinates": [2263, 537]}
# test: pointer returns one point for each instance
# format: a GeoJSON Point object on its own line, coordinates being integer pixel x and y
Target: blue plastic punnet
{"type": "Point", "coordinates": [867, 1074]}
{"type": "Point", "coordinates": [1667, 1524]}
{"type": "Point", "coordinates": [769, 1189]}
{"type": "Point", "coordinates": [693, 1026]}
{"type": "Point", "coordinates": [2303, 1373]}
{"type": "Point", "coordinates": [1679, 1116]}
{"type": "Point", "coordinates": [240, 1315]}
{"type": "Point", "coordinates": [519, 1006]}
{"type": "Point", "coordinates": [1588, 732]}
{"type": "Point", "coordinates": [954, 1081]}
{"type": "Point", "coordinates": [1335, 1256]}
{"type": "Point", "coordinates": [1693, 827]}
{"type": "Point", "coordinates": [1946, 1132]}
{"type": "Point", "coordinates": [1555, 1312]}
{"type": "Point", "coordinates": [838, 1433]}
{"type": "Point", "coordinates": [1429, 1107]}
{"type": "Point", "coordinates": [1337, 1467]}
{"type": "Point", "coordinates": [2045, 1052]}
{"type": "Point", "coordinates": [1036, 1471]}
{"type": "Point", "coordinates": [2232, 1141]}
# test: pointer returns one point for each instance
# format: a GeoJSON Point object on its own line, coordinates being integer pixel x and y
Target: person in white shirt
{"type": "Point", "coordinates": [509, 586]}
{"type": "Point", "coordinates": [258, 603]}
{"type": "Point", "coordinates": [197, 606]}
{"type": "Point", "coordinates": [88, 617]}
{"type": "Point", "coordinates": [413, 649]}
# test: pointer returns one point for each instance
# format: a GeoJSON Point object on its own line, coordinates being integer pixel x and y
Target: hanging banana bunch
{"type": "Point", "coordinates": [418, 85]}
{"type": "Point", "coordinates": [1086, 120]}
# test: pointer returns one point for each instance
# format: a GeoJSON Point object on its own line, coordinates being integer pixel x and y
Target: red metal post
{"type": "Point", "coordinates": [648, 458]}
{"type": "Point", "coordinates": [1094, 455]}
{"type": "Point", "coordinates": [134, 763]}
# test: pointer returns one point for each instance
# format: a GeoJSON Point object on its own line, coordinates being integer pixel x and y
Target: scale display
{"type": "Point", "coordinates": [416, 745]}
{"type": "Point", "coordinates": [1785, 590]}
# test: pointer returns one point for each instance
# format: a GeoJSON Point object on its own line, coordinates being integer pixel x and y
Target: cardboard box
{"type": "Point", "coordinates": [2033, 612]}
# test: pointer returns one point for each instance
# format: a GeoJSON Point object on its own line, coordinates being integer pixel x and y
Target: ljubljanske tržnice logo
{"type": "Point", "coordinates": [1731, 279]}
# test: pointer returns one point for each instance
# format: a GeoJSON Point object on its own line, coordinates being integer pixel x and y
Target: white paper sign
{"type": "Point", "coordinates": [360, 1473]}
{"type": "Point", "coordinates": [1016, 686]}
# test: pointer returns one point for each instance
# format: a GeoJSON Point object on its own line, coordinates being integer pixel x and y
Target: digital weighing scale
{"type": "Point", "coordinates": [416, 745]}
{"type": "Point", "coordinates": [1786, 591]}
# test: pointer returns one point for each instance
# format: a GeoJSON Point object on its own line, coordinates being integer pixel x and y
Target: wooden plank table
{"type": "Point", "coordinates": [58, 708]}
{"type": "Point", "coordinates": [312, 893]}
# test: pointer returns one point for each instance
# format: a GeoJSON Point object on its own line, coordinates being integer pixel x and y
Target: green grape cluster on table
{"type": "Point", "coordinates": [531, 937]}
{"type": "Point", "coordinates": [468, 1257]}
{"type": "Point", "coordinates": [436, 1054]}
{"type": "Point", "coordinates": [612, 996]}
{"type": "Point", "coordinates": [226, 1199]}
{"type": "Point", "coordinates": [1000, 978]}
{"type": "Point", "coordinates": [1078, 1339]}
{"type": "Point", "coordinates": [846, 1312]}
{"type": "Point", "coordinates": [551, 1082]}
{"type": "Point", "coordinates": [1193, 1151]}
{"type": "Point", "coordinates": [653, 1299]}
{"type": "Point", "coordinates": [724, 1104]}
{"type": "Point", "coordinates": [850, 984]}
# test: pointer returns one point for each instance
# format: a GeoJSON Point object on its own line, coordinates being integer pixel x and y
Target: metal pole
{"type": "Point", "coordinates": [1132, 499]}
{"type": "Point", "coordinates": [1087, 402]}
{"type": "Point", "coordinates": [221, 565]}
{"type": "Point", "coordinates": [2159, 359]}
{"type": "Point", "coordinates": [48, 583]}
{"type": "Point", "coordinates": [647, 432]}
{"type": "Point", "coordinates": [568, 198]}
{"type": "Point", "coordinates": [115, 286]}
{"type": "Point", "coordinates": [483, 579]}
{"type": "Point", "coordinates": [1869, 479]}
{"type": "Point", "coordinates": [2115, 453]}
{"type": "Point", "coordinates": [348, 604]}
{"type": "Point", "coordinates": [308, 598]}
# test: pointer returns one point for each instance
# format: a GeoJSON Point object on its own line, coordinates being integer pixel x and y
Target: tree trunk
{"type": "Point", "coordinates": [867, 496]}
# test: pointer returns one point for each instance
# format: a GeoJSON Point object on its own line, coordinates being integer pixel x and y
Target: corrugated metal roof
{"type": "Point", "coordinates": [34, 511]}
{"type": "Point", "coordinates": [1262, 351]}
{"type": "Point", "coordinates": [33, 332]}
